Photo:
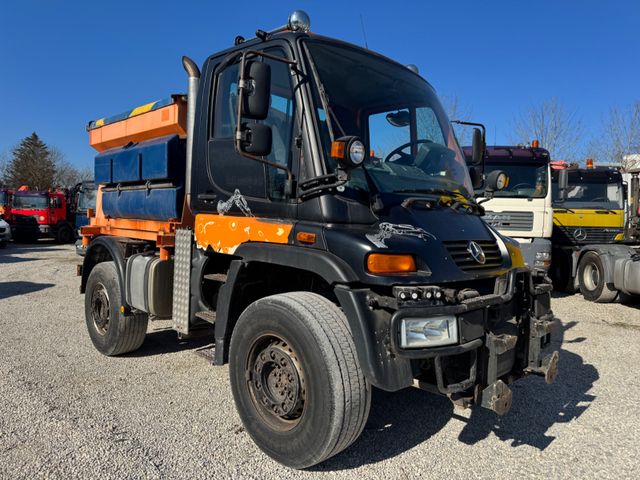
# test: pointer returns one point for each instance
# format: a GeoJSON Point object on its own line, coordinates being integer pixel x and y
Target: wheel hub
{"type": "Point", "coordinates": [100, 310]}
{"type": "Point", "coordinates": [277, 382]}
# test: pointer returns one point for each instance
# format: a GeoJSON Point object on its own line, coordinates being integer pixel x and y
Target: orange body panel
{"type": "Point", "coordinates": [161, 232]}
{"type": "Point", "coordinates": [225, 233]}
{"type": "Point", "coordinates": [168, 120]}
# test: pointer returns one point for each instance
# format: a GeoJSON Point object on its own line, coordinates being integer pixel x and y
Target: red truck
{"type": "Point", "coordinates": [41, 214]}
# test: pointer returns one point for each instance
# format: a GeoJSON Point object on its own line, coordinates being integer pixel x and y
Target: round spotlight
{"type": "Point", "coordinates": [299, 21]}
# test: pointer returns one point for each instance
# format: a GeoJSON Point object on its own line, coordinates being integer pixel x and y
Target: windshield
{"type": "Point", "coordinates": [87, 198]}
{"type": "Point", "coordinates": [526, 179]}
{"type": "Point", "coordinates": [411, 142]}
{"type": "Point", "coordinates": [593, 192]}
{"type": "Point", "coordinates": [30, 202]}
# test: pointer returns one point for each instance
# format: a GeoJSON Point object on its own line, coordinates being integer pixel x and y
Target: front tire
{"type": "Point", "coordinates": [64, 234]}
{"type": "Point", "coordinates": [592, 279]}
{"type": "Point", "coordinates": [296, 380]}
{"type": "Point", "coordinates": [112, 332]}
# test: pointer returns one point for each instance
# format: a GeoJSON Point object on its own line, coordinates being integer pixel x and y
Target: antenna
{"type": "Point", "coordinates": [364, 33]}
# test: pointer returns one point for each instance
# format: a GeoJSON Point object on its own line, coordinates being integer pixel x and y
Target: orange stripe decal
{"type": "Point", "coordinates": [225, 233]}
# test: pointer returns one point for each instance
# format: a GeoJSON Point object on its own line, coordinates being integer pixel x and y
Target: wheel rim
{"type": "Point", "coordinates": [276, 382]}
{"type": "Point", "coordinates": [591, 276]}
{"type": "Point", "coordinates": [100, 311]}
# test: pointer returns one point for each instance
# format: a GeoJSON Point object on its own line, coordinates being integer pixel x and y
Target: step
{"type": "Point", "coordinates": [207, 316]}
{"type": "Point", "coordinates": [216, 277]}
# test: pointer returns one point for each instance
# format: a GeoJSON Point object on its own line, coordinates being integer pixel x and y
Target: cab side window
{"type": "Point", "coordinates": [231, 170]}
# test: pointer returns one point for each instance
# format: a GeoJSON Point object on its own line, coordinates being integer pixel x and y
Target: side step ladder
{"type": "Point", "coordinates": [182, 281]}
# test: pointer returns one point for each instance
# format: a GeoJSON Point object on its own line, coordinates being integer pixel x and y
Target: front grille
{"type": "Point", "coordinates": [460, 254]}
{"type": "Point", "coordinates": [520, 221]}
{"type": "Point", "coordinates": [2, 229]}
{"type": "Point", "coordinates": [25, 219]}
{"type": "Point", "coordinates": [584, 235]}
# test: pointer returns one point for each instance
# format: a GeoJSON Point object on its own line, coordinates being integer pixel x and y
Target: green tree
{"type": "Point", "coordinates": [31, 164]}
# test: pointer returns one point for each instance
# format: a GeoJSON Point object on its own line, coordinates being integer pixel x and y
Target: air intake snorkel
{"type": "Point", "coordinates": [194, 80]}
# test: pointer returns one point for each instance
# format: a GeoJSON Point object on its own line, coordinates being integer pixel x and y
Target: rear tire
{"type": "Point", "coordinates": [591, 279]}
{"type": "Point", "coordinates": [296, 380]}
{"type": "Point", "coordinates": [111, 332]}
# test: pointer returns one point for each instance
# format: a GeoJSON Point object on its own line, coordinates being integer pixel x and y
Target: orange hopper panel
{"type": "Point", "coordinates": [168, 120]}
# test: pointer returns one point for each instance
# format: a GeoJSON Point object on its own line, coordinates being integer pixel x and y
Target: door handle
{"type": "Point", "coordinates": [207, 197]}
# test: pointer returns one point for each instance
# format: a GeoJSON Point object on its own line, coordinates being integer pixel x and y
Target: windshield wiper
{"type": "Point", "coordinates": [564, 208]}
{"type": "Point", "coordinates": [443, 191]}
{"type": "Point", "coordinates": [608, 210]}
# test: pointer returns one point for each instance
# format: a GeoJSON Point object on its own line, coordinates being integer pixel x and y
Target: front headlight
{"type": "Point", "coordinates": [543, 256]}
{"type": "Point", "coordinates": [428, 332]}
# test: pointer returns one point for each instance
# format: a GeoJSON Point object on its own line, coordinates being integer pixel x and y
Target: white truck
{"type": "Point", "coordinates": [523, 210]}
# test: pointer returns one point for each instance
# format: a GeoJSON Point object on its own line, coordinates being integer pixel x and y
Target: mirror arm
{"type": "Point", "coordinates": [242, 87]}
{"type": "Point", "coordinates": [474, 124]}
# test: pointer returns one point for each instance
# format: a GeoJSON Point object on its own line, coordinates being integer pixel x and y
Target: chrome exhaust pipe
{"type": "Point", "coordinates": [192, 92]}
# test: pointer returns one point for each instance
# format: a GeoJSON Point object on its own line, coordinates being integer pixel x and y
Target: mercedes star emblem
{"type": "Point", "coordinates": [580, 234]}
{"type": "Point", "coordinates": [476, 252]}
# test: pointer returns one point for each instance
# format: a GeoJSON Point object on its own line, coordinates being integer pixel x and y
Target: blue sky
{"type": "Point", "coordinates": [65, 63]}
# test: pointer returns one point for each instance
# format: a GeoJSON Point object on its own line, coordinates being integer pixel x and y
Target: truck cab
{"type": "Point", "coordinates": [38, 214]}
{"type": "Point", "coordinates": [523, 209]}
{"type": "Point", "coordinates": [589, 209]}
{"type": "Point", "coordinates": [315, 213]}
{"type": "Point", "coordinates": [84, 198]}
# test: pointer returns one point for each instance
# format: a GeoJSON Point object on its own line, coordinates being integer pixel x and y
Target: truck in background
{"type": "Point", "coordinates": [523, 209]}
{"type": "Point", "coordinates": [590, 218]}
{"type": "Point", "coordinates": [41, 214]}
{"type": "Point", "coordinates": [84, 198]}
{"type": "Point", "coordinates": [250, 207]}
{"type": "Point", "coordinates": [6, 198]}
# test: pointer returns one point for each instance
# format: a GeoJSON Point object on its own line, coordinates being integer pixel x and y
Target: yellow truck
{"type": "Point", "coordinates": [591, 232]}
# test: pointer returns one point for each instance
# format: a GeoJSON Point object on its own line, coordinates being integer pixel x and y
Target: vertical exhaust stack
{"type": "Point", "coordinates": [194, 80]}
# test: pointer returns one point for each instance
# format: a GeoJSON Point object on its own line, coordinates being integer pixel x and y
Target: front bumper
{"type": "Point", "coordinates": [31, 230]}
{"type": "Point", "coordinates": [501, 338]}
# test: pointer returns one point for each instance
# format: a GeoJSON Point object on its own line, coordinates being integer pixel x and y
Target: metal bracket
{"type": "Point", "coordinates": [497, 397]}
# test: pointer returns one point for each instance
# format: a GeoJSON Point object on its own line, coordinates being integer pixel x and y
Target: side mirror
{"type": "Point", "coordinates": [477, 147]}
{"type": "Point", "coordinates": [256, 139]}
{"type": "Point", "coordinates": [563, 184]}
{"type": "Point", "coordinates": [257, 94]}
{"type": "Point", "coordinates": [497, 180]}
{"type": "Point", "coordinates": [476, 176]}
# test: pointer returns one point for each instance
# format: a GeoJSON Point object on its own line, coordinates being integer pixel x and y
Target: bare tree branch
{"type": "Point", "coordinates": [620, 137]}
{"type": "Point", "coordinates": [559, 130]}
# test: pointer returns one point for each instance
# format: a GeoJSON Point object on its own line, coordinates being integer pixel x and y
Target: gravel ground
{"type": "Point", "coordinates": [164, 411]}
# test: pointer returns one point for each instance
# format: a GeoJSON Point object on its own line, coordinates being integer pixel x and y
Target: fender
{"type": "Point", "coordinates": [114, 246]}
{"type": "Point", "coordinates": [327, 265]}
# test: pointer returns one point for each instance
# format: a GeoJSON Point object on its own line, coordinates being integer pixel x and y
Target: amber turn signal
{"type": "Point", "coordinates": [306, 237]}
{"type": "Point", "coordinates": [384, 263]}
{"type": "Point", "coordinates": [337, 149]}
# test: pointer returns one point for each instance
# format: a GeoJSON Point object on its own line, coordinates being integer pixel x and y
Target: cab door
{"type": "Point", "coordinates": [238, 185]}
